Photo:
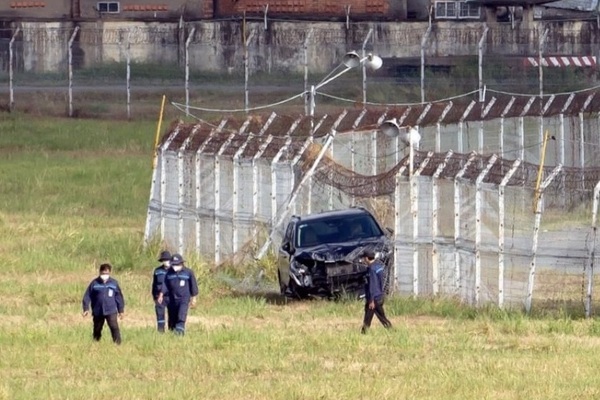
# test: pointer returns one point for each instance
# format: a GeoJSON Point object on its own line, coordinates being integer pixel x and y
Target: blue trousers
{"type": "Point", "coordinates": [177, 312]}
{"type": "Point", "coordinates": [160, 315]}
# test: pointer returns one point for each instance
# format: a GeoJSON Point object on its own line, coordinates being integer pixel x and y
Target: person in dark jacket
{"type": "Point", "coordinates": [157, 281]}
{"type": "Point", "coordinates": [374, 292]}
{"type": "Point", "coordinates": [180, 290]}
{"type": "Point", "coordinates": [107, 302]}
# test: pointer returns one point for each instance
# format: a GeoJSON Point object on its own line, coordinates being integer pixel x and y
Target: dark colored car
{"type": "Point", "coordinates": [320, 253]}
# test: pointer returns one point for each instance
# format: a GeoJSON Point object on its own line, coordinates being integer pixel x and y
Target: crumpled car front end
{"type": "Point", "coordinates": [331, 270]}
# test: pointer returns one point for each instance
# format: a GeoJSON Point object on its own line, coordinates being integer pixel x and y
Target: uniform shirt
{"type": "Point", "coordinates": [157, 280]}
{"type": "Point", "coordinates": [106, 298]}
{"type": "Point", "coordinates": [180, 286]}
{"type": "Point", "coordinates": [374, 283]}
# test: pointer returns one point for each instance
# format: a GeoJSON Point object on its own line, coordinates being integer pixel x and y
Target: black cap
{"type": "Point", "coordinates": [370, 254]}
{"type": "Point", "coordinates": [177, 259]}
{"type": "Point", "coordinates": [164, 256]}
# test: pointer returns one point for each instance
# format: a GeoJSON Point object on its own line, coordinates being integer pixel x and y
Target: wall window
{"type": "Point", "coordinates": [456, 10]}
{"type": "Point", "coordinates": [445, 9]}
{"type": "Point", "coordinates": [468, 10]}
{"type": "Point", "coordinates": [108, 7]}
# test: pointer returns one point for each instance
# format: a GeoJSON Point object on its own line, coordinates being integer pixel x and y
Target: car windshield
{"type": "Point", "coordinates": [336, 229]}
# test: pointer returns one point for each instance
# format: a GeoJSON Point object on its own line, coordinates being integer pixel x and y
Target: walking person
{"type": "Point", "coordinates": [374, 293]}
{"type": "Point", "coordinates": [179, 289]}
{"type": "Point", "coordinates": [107, 302]}
{"type": "Point", "coordinates": [157, 281]}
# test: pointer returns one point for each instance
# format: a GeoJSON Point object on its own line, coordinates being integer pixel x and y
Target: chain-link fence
{"type": "Point", "coordinates": [120, 70]}
{"type": "Point", "coordinates": [474, 224]}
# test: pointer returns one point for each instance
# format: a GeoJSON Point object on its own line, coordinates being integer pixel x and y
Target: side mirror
{"type": "Point", "coordinates": [287, 247]}
{"type": "Point", "coordinates": [390, 230]}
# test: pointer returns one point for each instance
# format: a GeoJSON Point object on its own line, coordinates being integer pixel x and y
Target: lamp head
{"type": "Point", "coordinates": [410, 137]}
{"type": "Point", "coordinates": [373, 62]}
{"type": "Point", "coordinates": [390, 128]}
{"type": "Point", "coordinates": [351, 59]}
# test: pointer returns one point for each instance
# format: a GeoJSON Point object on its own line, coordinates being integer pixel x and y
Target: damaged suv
{"type": "Point", "coordinates": [320, 253]}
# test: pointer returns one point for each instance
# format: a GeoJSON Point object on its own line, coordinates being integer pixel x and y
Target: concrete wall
{"type": "Point", "coordinates": [218, 46]}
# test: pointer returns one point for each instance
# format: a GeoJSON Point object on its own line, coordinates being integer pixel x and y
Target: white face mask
{"type": "Point", "coordinates": [167, 263]}
{"type": "Point", "coordinates": [104, 277]}
{"type": "Point", "coordinates": [177, 268]}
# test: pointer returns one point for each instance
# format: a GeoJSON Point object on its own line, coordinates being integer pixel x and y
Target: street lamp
{"type": "Point", "coordinates": [350, 60]}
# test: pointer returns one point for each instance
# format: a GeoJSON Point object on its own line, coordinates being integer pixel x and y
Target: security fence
{"type": "Point", "coordinates": [121, 69]}
{"type": "Point", "coordinates": [486, 224]}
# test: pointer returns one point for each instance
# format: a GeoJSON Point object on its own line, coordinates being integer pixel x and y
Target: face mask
{"type": "Point", "coordinates": [167, 263]}
{"type": "Point", "coordinates": [177, 268]}
{"type": "Point", "coordinates": [104, 277]}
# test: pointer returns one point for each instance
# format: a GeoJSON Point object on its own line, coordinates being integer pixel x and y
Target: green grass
{"type": "Point", "coordinates": [74, 193]}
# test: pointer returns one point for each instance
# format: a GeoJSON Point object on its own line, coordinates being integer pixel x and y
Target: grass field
{"type": "Point", "coordinates": [73, 194]}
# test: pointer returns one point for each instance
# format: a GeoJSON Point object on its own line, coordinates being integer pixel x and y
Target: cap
{"type": "Point", "coordinates": [164, 256]}
{"type": "Point", "coordinates": [370, 254]}
{"type": "Point", "coordinates": [177, 259]}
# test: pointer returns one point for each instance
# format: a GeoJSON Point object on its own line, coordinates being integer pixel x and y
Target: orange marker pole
{"type": "Point", "coordinates": [160, 118]}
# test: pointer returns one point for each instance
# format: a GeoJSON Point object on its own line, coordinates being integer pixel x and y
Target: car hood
{"type": "Point", "coordinates": [335, 252]}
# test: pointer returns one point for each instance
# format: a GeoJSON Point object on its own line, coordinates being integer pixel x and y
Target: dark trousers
{"type": "Point", "coordinates": [378, 311]}
{"type": "Point", "coordinates": [160, 315]}
{"type": "Point", "coordinates": [113, 323]}
{"type": "Point", "coordinates": [177, 312]}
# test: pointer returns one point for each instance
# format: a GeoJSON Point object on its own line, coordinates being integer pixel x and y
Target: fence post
{"type": "Point", "coordinates": [11, 101]}
{"type": "Point", "coordinates": [364, 67]}
{"type": "Point", "coordinates": [536, 231]}
{"type": "Point", "coordinates": [128, 73]}
{"type": "Point", "coordinates": [398, 194]}
{"type": "Point", "coordinates": [187, 71]}
{"type": "Point", "coordinates": [457, 177]}
{"type": "Point", "coordinates": [501, 216]}
{"type": "Point", "coordinates": [246, 67]}
{"type": "Point", "coordinates": [306, 87]}
{"type": "Point", "coordinates": [592, 253]}
{"type": "Point", "coordinates": [461, 124]}
{"type": "Point", "coordinates": [414, 210]}
{"type": "Point", "coordinates": [478, 182]}
{"type": "Point", "coordinates": [541, 82]}
{"type": "Point", "coordinates": [181, 190]}
{"type": "Point", "coordinates": [218, 215]}
{"type": "Point", "coordinates": [423, 44]}
{"type": "Point", "coordinates": [155, 176]}
{"type": "Point", "coordinates": [71, 40]}
{"type": "Point", "coordinates": [435, 255]}
{"type": "Point", "coordinates": [480, 58]}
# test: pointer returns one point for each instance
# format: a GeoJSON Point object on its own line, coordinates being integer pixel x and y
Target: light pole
{"type": "Point", "coordinates": [350, 60]}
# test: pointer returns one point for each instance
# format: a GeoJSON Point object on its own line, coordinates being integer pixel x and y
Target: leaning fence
{"type": "Point", "coordinates": [486, 224]}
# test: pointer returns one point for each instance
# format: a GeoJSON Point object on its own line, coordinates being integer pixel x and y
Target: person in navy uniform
{"type": "Point", "coordinates": [107, 302]}
{"type": "Point", "coordinates": [374, 294]}
{"type": "Point", "coordinates": [157, 281]}
{"type": "Point", "coordinates": [179, 290]}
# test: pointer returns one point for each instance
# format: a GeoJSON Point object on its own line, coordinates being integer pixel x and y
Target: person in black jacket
{"type": "Point", "coordinates": [374, 293]}
{"type": "Point", "coordinates": [107, 302]}
{"type": "Point", "coordinates": [157, 281]}
{"type": "Point", "coordinates": [180, 289]}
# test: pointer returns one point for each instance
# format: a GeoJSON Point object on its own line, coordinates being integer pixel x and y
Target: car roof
{"type": "Point", "coordinates": [333, 213]}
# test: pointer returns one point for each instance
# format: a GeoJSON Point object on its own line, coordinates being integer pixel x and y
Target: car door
{"type": "Point", "coordinates": [285, 253]}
